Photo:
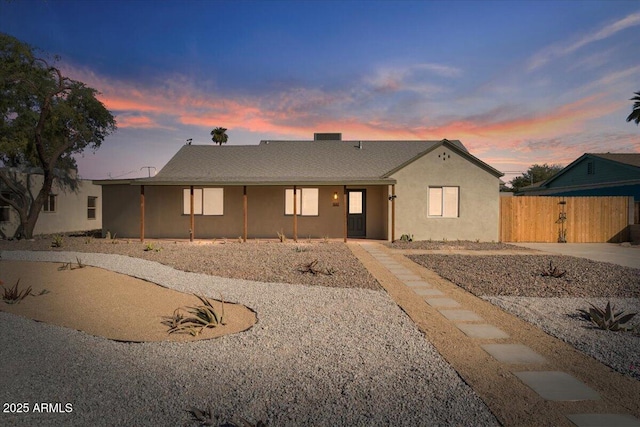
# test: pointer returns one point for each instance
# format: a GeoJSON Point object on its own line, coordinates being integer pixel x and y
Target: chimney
{"type": "Point", "coordinates": [327, 136]}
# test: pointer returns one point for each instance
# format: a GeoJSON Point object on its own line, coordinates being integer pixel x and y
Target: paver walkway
{"type": "Point", "coordinates": [523, 382]}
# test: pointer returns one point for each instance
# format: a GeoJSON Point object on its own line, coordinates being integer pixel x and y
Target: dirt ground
{"type": "Point", "coordinates": [108, 304]}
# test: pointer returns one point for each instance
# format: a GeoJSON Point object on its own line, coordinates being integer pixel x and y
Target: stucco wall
{"type": "Point", "coordinates": [70, 213]}
{"type": "Point", "coordinates": [479, 206]}
{"type": "Point", "coordinates": [266, 217]}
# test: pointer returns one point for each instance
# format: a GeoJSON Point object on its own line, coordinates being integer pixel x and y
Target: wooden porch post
{"type": "Point", "coordinates": [393, 212]}
{"type": "Point", "coordinates": [344, 209]}
{"type": "Point", "coordinates": [295, 216]}
{"type": "Point", "coordinates": [244, 211]}
{"type": "Point", "coordinates": [192, 222]}
{"type": "Point", "coordinates": [142, 213]}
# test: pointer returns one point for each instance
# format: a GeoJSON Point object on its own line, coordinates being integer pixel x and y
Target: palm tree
{"type": "Point", "coordinates": [219, 135]}
{"type": "Point", "coordinates": [635, 114]}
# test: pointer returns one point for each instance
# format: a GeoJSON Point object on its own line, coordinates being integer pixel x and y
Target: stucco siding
{"type": "Point", "coordinates": [70, 212]}
{"type": "Point", "coordinates": [266, 217]}
{"type": "Point", "coordinates": [479, 208]}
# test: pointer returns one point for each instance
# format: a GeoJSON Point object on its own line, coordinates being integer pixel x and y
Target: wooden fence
{"type": "Point", "coordinates": [587, 219]}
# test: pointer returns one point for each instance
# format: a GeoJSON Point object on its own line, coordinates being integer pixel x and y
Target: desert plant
{"type": "Point", "coordinates": [552, 272]}
{"type": "Point", "coordinates": [65, 266]}
{"type": "Point", "coordinates": [406, 238]}
{"type": "Point", "coordinates": [57, 241]}
{"type": "Point", "coordinates": [204, 417]}
{"type": "Point", "coordinates": [301, 249]}
{"type": "Point", "coordinates": [150, 247]}
{"type": "Point", "coordinates": [14, 295]}
{"type": "Point", "coordinates": [313, 268]}
{"type": "Point", "coordinates": [79, 262]}
{"type": "Point", "coordinates": [281, 236]}
{"type": "Point", "coordinates": [201, 317]}
{"type": "Point", "coordinates": [240, 240]}
{"type": "Point", "coordinates": [608, 319]}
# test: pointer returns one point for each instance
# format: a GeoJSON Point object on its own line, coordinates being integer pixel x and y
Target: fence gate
{"type": "Point", "coordinates": [546, 219]}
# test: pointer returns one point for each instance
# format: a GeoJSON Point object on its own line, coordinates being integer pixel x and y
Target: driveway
{"type": "Point", "coordinates": [629, 256]}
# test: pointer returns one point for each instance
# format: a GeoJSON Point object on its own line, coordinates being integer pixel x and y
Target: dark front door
{"type": "Point", "coordinates": [356, 213]}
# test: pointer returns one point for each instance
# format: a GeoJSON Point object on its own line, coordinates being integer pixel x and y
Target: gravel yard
{"type": "Point", "coordinates": [468, 245]}
{"type": "Point", "coordinates": [262, 260]}
{"type": "Point", "coordinates": [514, 283]}
{"type": "Point", "coordinates": [318, 356]}
{"type": "Point", "coordinates": [520, 275]}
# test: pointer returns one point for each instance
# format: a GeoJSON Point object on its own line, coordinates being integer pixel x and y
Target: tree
{"type": "Point", "coordinates": [219, 136]}
{"type": "Point", "coordinates": [45, 119]}
{"type": "Point", "coordinates": [635, 113]}
{"type": "Point", "coordinates": [535, 173]}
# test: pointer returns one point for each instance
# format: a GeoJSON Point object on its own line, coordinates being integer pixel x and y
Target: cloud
{"type": "Point", "coordinates": [563, 49]}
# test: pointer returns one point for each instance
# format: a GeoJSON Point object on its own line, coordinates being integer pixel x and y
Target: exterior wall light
{"type": "Point", "coordinates": [336, 200]}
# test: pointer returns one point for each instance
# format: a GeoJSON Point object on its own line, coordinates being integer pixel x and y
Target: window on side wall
{"type": "Point", "coordinates": [5, 208]}
{"type": "Point", "coordinates": [306, 201]}
{"type": "Point", "coordinates": [50, 203]}
{"type": "Point", "coordinates": [92, 206]}
{"type": "Point", "coordinates": [443, 201]}
{"type": "Point", "coordinates": [206, 201]}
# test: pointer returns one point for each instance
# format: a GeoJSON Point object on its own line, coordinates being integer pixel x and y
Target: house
{"type": "Point", "coordinates": [326, 187]}
{"type": "Point", "coordinates": [607, 174]}
{"type": "Point", "coordinates": [64, 210]}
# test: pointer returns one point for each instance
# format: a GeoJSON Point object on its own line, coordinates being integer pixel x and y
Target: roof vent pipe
{"type": "Point", "coordinates": [359, 145]}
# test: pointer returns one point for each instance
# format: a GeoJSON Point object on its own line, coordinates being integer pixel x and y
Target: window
{"type": "Point", "coordinates": [50, 203]}
{"type": "Point", "coordinates": [591, 168]}
{"type": "Point", "coordinates": [206, 201]}
{"type": "Point", "coordinates": [5, 208]}
{"type": "Point", "coordinates": [92, 204]}
{"type": "Point", "coordinates": [306, 201]}
{"type": "Point", "coordinates": [443, 201]}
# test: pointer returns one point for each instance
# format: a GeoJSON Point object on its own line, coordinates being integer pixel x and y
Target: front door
{"type": "Point", "coordinates": [356, 213]}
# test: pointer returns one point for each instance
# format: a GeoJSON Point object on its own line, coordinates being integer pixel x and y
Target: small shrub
{"type": "Point", "coordinates": [406, 238]}
{"type": "Point", "coordinates": [57, 241]}
{"type": "Point", "coordinates": [281, 236]}
{"type": "Point", "coordinates": [608, 319]}
{"type": "Point", "coordinates": [150, 247]}
{"type": "Point", "coordinates": [552, 272]}
{"type": "Point", "coordinates": [300, 249]}
{"type": "Point", "coordinates": [240, 239]}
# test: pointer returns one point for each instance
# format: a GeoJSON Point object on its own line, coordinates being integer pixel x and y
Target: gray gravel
{"type": "Point", "coordinates": [317, 356]}
{"type": "Point", "coordinates": [559, 317]}
{"type": "Point", "coordinates": [515, 283]}
{"type": "Point", "coordinates": [444, 245]}
{"type": "Point", "coordinates": [521, 275]}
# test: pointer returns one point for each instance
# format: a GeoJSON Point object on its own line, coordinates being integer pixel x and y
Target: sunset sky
{"type": "Point", "coordinates": [517, 82]}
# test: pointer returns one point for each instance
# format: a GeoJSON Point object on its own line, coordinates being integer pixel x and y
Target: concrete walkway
{"type": "Point", "coordinates": [629, 256]}
{"type": "Point", "coordinates": [526, 377]}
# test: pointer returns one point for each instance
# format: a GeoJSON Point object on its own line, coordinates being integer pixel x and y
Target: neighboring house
{"type": "Point", "coordinates": [608, 174]}
{"type": "Point", "coordinates": [321, 188]}
{"type": "Point", "coordinates": [64, 211]}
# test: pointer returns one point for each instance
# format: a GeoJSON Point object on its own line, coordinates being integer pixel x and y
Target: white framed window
{"type": "Point", "coordinates": [443, 201]}
{"type": "Point", "coordinates": [50, 203]}
{"type": "Point", "coordinates": [206, 201]}
{"type": "Point", "coordinates": [92, 206]}
{"type": "Point", "coordinates": [306, 201]}
{"type": "Point", "coordinates": [5, 208]}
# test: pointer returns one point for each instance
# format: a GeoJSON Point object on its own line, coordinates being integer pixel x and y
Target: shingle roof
{"type": "Point", "coordinates": [631, 159]}
{"type": "Point", "coordinates": [279, 162]}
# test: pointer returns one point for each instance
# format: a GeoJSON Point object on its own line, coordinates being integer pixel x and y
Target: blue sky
{"type": "Point", "coordinates": [517, 82]}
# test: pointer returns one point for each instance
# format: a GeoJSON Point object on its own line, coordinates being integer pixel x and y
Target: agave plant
{"type": "Point", "coordinates": [201, 317]}
{"type": "Point", "coordinates": [608, 319]}
{"type": "Point", "coordinates": [553, 272]}
{"type": "Point", "coordinates": [14, 295]}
